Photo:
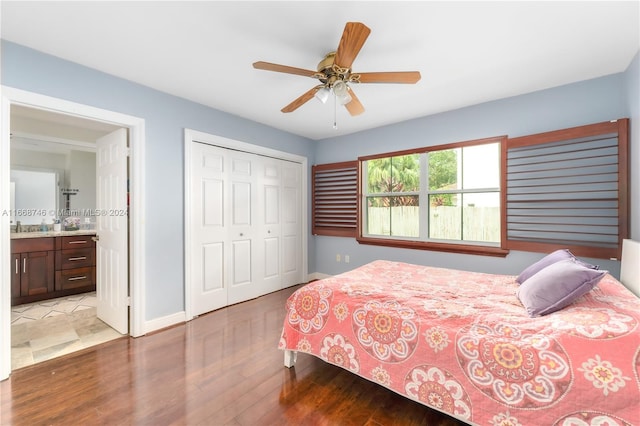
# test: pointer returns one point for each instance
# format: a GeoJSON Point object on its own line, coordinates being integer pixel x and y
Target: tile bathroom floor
{"type": "Point", "coordinates": [51, 328]}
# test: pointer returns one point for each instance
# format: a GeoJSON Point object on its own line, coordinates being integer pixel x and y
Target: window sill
{"type": "Point", "coordinates": [421, 245]}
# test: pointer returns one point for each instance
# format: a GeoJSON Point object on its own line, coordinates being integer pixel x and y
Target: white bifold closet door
{"type": "Point", "coordinates": [246, 226]}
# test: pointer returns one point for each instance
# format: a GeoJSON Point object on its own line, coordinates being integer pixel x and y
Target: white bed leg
{"type": "Point", "coordinates": [290, 358]}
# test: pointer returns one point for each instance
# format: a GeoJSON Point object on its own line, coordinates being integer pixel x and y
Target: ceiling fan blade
{"type": "Point", "coordinates": [304, 98]}
{"type": "Point", "coordinates": [405, 77]}
{"type": "Point", "coordinates": [353, 38]}
{"type": "Point", "coordinates": [354, 107]}
{"type": "Point", "coordinates": [268, 66]}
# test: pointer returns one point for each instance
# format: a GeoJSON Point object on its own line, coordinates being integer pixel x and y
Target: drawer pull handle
{"type": "Point", "coordinates": [77, 278]}
{"type": "Point", "coordinates": [17, 270]}
{"type": "Point", "coordinates": [77, 258]}
{"type": "Point", "coordinates": [78, 242]}
{"type": "Point", "coordinates": [24, 265]}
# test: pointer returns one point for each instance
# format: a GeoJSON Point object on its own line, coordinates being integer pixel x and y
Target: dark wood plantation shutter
{"type": "Point", "coordinates": [569, 189]}
{"type": "Point", "coordinates": [335, 196]}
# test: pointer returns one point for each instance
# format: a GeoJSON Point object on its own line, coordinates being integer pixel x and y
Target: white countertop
{"type": "Point", "coordinates": [40, 234]}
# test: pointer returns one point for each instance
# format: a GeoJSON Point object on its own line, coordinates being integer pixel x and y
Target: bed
{"type": "Point", "coordinates": [464, 344]}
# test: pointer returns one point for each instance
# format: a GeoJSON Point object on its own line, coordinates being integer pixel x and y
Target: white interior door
{"type": "Point", "coordinates": [112, 228]}
{"type": "Point", "coordinates": [244, 279]}
{"type": "Point", "coordinates": [208, 236]}
{"type": "Point", "coordinates": [291, 224]}
{"type": "Point", "coordinates": [269, 229]}
{"type": "Point", "coordinates": [223, 185]}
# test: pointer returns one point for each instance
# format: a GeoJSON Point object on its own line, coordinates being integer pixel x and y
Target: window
{"type": "Point", "coordinates": [464, 193]}
{"type": "Point", "coordinates": [444, 197]}
{"type": "Point", "coordinates": [392, 196]}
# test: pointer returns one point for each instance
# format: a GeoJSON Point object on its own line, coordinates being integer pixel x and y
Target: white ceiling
{"type": "Point", "coordinates": [467, 52]}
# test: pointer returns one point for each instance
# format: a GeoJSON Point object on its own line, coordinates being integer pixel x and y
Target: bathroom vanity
{"type": "Point", "coordinates": [46, 265]}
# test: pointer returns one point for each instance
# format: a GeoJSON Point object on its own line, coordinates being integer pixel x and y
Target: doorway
{"type": "Point", "coordinates": [132, 290]}
{"type": "Point", "coordinates": [63, 149]}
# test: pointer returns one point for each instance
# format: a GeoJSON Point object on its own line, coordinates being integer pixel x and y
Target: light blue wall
{"type": "Point", "coordinates": [165, 118]}
{"type": "Point", "coordinates": [632, 90]}
{"type": "Point", "coordinates": [576, 104]}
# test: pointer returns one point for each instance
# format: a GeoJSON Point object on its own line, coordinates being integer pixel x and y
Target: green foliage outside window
{"type": "Point", "coordinates": [443, 174]}
{"type": "Point", "coordinates": [394, 176]}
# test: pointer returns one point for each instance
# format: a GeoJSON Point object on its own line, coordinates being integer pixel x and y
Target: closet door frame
{"type": "Point", "coordinates": [193, 136]}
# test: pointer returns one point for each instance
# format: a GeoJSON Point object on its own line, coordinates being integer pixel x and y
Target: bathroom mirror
{"type": "Point", "coordinates": [51, 179]}
{"type": "Point", "coordinates": [35, 196]}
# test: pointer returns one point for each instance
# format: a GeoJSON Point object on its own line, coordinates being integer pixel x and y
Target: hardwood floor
{"type": "Point", "coordinates": [220, 369]}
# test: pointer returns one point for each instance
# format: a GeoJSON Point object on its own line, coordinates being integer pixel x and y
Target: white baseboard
{"type": "Point", "coordinates": [317, 276]}
{"type": "Point", "coordinates": [164, 322]}
{"type": "Point", "coordinates": [181, 317]}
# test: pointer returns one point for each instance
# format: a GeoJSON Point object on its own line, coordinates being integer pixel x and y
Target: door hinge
{"type": "Point", "coordinates": [127, 152]}
{"type": "Point", "coordinates": [128, 300]}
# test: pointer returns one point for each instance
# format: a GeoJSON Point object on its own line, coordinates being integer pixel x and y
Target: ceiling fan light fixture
{"type": "Point", "coordinates": [322, 94]}
{"type": "Point", "coordinates": [341, 90]}
{"type": "Point", "coordinates": [345, 99]}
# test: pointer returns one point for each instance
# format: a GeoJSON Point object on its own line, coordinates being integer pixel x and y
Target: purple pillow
{"type": "Point", "coordinates": [557, 286]}
{"type": "Point", "coordinates": [550, 259]}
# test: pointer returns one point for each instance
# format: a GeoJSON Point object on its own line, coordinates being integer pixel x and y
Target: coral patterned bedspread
{"type": "Point", "coordinates": [462, 343]}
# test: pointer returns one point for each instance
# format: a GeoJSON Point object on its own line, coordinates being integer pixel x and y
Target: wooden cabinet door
{"type": "Point", "coordinates": [37, 273]}
{"type": "Point", "coordinates": [15, 274]}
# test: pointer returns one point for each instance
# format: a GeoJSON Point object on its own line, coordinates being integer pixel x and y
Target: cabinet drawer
{"type": "Point", "coordinates": [25, 245]}
{"type": "Point", "coordinates": [73, 278]}
{"type": "Point", "coordinates": [76, 258]}
{"type": "Point", "coordinates": [77, 242]}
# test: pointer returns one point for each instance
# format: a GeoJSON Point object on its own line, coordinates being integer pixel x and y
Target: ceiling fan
{"type": "Point", "coordinates": [334, 72]}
